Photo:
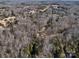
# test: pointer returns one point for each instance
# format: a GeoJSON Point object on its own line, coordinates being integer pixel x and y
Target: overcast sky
{"type": "Point", "coordinates": [57, 0]}
{"type": "Point", "coordinates": [41, 0]}
{"type": "Point", "coordinates": [70, 0]}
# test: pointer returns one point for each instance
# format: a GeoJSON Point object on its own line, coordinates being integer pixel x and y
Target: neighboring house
{"type": "Point", "coordinates": [55, 6]}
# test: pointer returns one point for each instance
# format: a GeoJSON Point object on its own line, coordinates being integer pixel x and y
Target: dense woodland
{"type": "Point", "coordinates": [38, 31]}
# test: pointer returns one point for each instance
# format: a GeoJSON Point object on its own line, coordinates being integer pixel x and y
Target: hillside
{"type": "Point", "coordinates": [39, 31]}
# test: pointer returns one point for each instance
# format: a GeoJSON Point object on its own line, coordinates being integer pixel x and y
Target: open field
{"type": "Point", "coordinates": [46, 30]}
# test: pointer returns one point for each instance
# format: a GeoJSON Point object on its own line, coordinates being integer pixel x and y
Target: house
{"type": "Point", "coordinates": [55, 6]}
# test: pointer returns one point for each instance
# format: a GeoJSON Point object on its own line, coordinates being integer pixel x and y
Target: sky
{"type": "Point", "coordinates": [20, 1]}
{"type": "Point", "coordinates": [70, 0]}
{"type": "Point", "coordinates": [40, 0]}
{"type": "Point", "coordinates": [36, 0]}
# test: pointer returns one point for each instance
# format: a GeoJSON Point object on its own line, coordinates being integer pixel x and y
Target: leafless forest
{"type": "Point", "coordinates": [38, 31]}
